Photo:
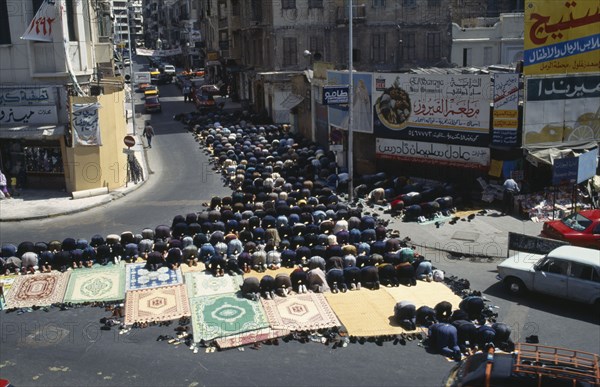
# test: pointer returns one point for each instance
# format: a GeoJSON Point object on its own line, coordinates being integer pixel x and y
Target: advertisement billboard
{"type": "Point", "coordinates": [561, 37]}
{"type": "Point", "coordinates": [434, 108]}
{"type": "Point", "coordinates": [562, 108]}
{"type": "Point", "coordinates": [506, 114]}
{"type": "Point", "coordinates": [362, 113]}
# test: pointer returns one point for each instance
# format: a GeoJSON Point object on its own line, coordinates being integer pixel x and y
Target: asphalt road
{"type": "Point", "coordinates": [68, 348]}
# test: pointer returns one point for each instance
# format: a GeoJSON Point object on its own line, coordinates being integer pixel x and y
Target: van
{"type": "Point", "coordinates": [169, 69]}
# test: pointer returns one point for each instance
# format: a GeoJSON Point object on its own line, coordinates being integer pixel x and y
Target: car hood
{"type": "Point", "coordinates": [520, 261]}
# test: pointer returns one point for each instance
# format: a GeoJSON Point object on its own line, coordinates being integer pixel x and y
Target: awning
{"type": "Point", "coordinates": [40, 132]}
{"type": "Point", "coordinates": [291, 101]}
{"type": "Point", "coordinates": [547, 153]}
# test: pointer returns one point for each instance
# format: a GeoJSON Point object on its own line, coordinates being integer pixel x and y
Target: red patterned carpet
{"type": "Point", "coordinates": [300, 312]}
{"type": "Point", "coordinates": [37, 290]}
{"type": "Point", "coordinates": [158, 304]}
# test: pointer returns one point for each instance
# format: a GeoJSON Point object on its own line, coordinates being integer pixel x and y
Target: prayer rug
{"type": "Point", "coordinates": [425, 293]}
{"type": "Point", "coordinates": [365, 312]}
{"type": "Point", "coordinates": [186, 269]}
{"type": "Point", "coordinates": [7, 282]}
{"type": "Point", "coordinates": [205, 284]}
{"type": "Point", "coordinates": [137, 277]}
{"type": "Point", "coordinates": [300, 312]}
{"type": "Point", "coordinates": [225, 315]}
{"type": "Point", "coordinates": [37, 289]}
{"type": "Point", "coordinates": [250, 337]}
{"type": "Point", "coordinates": [157, 304]}
{"type": "Point", "coordinates": [96, 284]}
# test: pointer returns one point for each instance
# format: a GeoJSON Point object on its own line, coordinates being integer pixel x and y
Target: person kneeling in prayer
{"type": "Point", "coordinates": [443, 339]}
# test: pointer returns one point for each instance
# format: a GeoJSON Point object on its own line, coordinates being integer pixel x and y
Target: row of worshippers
{"type": "Point", "coordinates": [454, 333]}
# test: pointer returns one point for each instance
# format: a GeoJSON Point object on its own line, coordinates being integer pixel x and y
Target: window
{"type": "Point", "coordinates": [379, 3]}
{"type": "Point", "coordinates": [256, 10]}
{"type": "Point", "coordinates": [378, 44]}
{"type": "Point", "coordinates": [315, 3]}
{"type": "Point", "coordinates": [290, 51]}
{"type": "Point", "coordinates": [581, 271]}
{"type": "Point", "coordinates": [43, 159]}
{"type": "Point", "coordinates": [235, 7]}
{"type": "Point", "coordinates": [315, 46]}
{"type": "Point", "coordinates": [466, 57]}
{"type": "Point", "coordinates": [70, 11]}
{"type": "Point", "coordinates": [355, 55]}
{"type": "Point", "coordinates": [36, 4]}
{"type": "Point", "coordinates": [555, 266]}
{"type": "Point", "coordinates": [433, 46]}
{"type": "Point", "coordinates": [409, 3]}
{"type": "Point", "coordinates": [288, 4]}
{"type": "Point", "coordinates": [487, 56]}
{"type": "Point", "coordinates": [409, 46]}
{"type": "Point", "coordinates": [4, 26]}
{"type": "Point", "coordinates": [434, 3]}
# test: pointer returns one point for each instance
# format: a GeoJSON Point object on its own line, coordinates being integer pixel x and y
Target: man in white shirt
{"type": "Point", "coordinates": [511, 188]}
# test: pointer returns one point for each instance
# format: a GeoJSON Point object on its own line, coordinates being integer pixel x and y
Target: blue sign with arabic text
{"type": "Point", "coordinates": [335, 95]}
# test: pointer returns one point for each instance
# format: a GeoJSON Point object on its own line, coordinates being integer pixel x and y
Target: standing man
{"type": "Point", "coordinates": [186, 92]}
{"type": "Point", "coordinates": [149, 133]}
{"type": "Point", "coordinates": [511, 188]}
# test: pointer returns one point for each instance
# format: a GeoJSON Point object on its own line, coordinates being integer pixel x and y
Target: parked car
{"type": "Point", "coordinates": [164, 79]}
{"type": "Point", "coordinates": [580, 229]}
{"type": "Point", "coordinates": [528, 366]}
{"type": "Point", "coordinates": [568, 272]}
{"type": "Point", "coordinates": [204, 101]}
{"type": "Point", "coordinates": [152, 104]}
{"type": "Point", "coordinates": [126, 62]}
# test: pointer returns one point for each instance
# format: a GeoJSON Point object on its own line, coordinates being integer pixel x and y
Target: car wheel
{"type": "Point", "coordinates": [515, 286]}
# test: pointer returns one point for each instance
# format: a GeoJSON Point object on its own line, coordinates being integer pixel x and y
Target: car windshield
{"type": "Point", "coordinates": [152, 100]}
{"type": "Point", "coordinates": [577, 222]}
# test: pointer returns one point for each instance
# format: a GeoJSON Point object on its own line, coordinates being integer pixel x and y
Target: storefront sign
{"type": "Point", "coordinates": [362, 106]}
{"type": "Point", "coordinates": [28, 115]}
{"type": "Point", "coordinates": [335, 95]}
{"type": "Point", "coordinates": [561, 37]}
{"type": "Point", "coordinates": [20, 96]}
{"type": "Point", "coordinates": [564, 171]}
{"type": "Point", "coordinates": [84, 121]}
{"type": "Point", "coordinates": [433, 153]}
{"type": "Point", "coordinates": [506, 104]}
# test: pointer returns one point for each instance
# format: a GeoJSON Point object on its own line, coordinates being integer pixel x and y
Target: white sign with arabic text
{"type": "Point", "coordinates": [28, 115]}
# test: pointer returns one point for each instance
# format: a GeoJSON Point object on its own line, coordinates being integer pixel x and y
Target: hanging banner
{"type": "Point", "coordinates": [442, 108]}
{"type": "Point", "coordinates": [84, 121]}
{"type": "Point", "coordinates": [149, 52]}
{"type": "Point", "coordinates": [561, 108]}
{"type": "Point", "coordinates": [561, 37]}
{"type": "Point", "coordinates": [40, 28]}
{"type": "Point", "coordinates": [506, 113]}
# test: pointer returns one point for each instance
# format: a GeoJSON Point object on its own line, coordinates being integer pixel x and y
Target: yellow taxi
{"type": "Point", "coordinates": [151, 91]}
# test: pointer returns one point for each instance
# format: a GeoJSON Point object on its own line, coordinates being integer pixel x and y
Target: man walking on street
{"type": "Point", "coordinates": [149, 133]}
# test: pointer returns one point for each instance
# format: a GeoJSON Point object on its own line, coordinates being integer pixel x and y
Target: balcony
{"type": "Point", "coordinates": [359, 14]}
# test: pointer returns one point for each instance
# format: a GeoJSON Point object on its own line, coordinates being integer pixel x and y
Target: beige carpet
{"type": "Point", "coordinates": [365, 312]}
{"type": "Point", "coordinates": [156, 304]}
{"type": "Point", "coordinates": [38, 290]}
{"type": "Point", "coordinates": [425, 293]}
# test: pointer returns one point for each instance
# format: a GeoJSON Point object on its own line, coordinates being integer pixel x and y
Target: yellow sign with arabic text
{"type": "Point", "coordinates": [562, 36]}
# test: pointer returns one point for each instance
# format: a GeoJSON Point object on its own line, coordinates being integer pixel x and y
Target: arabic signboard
{"type": "Point", "coordinates": [362, 111]}
{"type": "Point", "coordinates": [506, 113]}
{"type": "Point", "coordinates": [561, 37]}
{"type": "Point", "coordinates": [28, 115]}
{"type": "Point", "coordinates": [442, 108]}
{"type": "Point", "coordinates": [433, 153]}
{"type": "Point", "coordinates": [20, 96]}
{"type": "Point", "coordinates": [564, 171]}
{"type": "Point", "coordinates": [335, 95]}
{"type": "Point", "coordinates": [588, 163]}
{"type": "Point", "coordinates": [84, 121]}
{"type": "Point", "coordinates": [561, 108]}
{"type": "Point", "coordinates": [47, 16]}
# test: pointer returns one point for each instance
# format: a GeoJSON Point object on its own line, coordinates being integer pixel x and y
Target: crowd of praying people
{"type": "Point", "coordinates": [284, 211]}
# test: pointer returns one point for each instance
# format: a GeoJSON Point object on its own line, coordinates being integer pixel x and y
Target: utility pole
{"type": "Point", "coordinates": [350, 91]}
{"type": "Point", "coordinates": [131, 86]}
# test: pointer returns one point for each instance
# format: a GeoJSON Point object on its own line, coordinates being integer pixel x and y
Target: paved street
{"type": "Point", "coordinates": [67, 347]}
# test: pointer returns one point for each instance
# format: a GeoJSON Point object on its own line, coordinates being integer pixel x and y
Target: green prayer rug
{"type": "Point", "coordinates": [225, 315]}
{"type": "Point", "coordinates": [105, 283]}
{"type": "Point", "coordinates": [205, 284]}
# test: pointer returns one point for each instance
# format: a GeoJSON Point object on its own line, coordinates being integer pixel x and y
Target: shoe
{"type": "Point", "coordinates": [358, 286]}
{"type": "Point", "coordinates": [353, 286]}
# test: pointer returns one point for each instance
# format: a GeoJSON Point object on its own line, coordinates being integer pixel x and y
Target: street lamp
{"type": "Point", "coordinates": [350, 91]}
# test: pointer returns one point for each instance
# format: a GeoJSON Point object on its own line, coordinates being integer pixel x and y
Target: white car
{"type": "Point", "coordinates": [169, 69]}
{"type": "Point", "coordinates": [568, 272]}
{"type": "Point", "coordinates": [126, 62]}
